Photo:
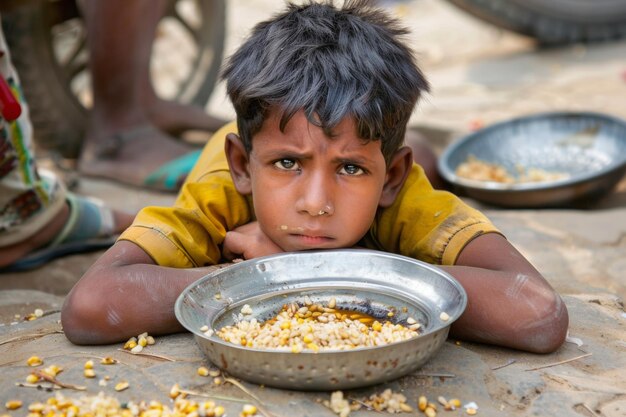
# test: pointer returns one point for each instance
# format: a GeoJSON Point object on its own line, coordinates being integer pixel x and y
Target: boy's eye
{"type": "Point", "coordinates": [351, 169]}
{"type": "Point", "coordinates": [286, 164]}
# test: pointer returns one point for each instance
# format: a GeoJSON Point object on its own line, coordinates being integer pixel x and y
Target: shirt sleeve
{"type": "Point", "coordinates": [427, 224]}
{"type": "Point", "coordinates": [190, 233]}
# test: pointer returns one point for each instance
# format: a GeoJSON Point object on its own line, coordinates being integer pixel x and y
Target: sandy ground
{"type": "Point", "coordinates": [479, 73]}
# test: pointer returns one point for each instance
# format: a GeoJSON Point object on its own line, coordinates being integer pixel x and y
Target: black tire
{"type": "Point", "coordinates": [554, 22]}
{"type": "Point", "coordinates": [59, 117]}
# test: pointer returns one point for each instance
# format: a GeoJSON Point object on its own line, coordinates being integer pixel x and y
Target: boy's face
{"type": "Point", "coordinates": [310, 191]}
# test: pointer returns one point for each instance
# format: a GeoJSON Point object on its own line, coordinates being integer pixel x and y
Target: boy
{"type": "Point", "coordinates": [316, 161]}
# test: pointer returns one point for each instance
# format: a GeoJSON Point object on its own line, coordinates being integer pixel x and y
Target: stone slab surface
{"type": "Point", "coordinates": [500, 381]}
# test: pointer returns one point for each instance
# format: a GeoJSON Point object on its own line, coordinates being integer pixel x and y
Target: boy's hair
{"type": "Point", "coordinates": [331, 63]}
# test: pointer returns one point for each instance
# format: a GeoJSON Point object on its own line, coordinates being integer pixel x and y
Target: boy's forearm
{"type": "Point", "coordinates": [113, 302]}
{"type": "Point", "coordinates": [511, 309]}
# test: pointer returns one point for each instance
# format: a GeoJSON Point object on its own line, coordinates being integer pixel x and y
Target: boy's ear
{"type": "Point", "coordinates": [397, 173]}
{"type": "Point", "coordinates": [238, 163]}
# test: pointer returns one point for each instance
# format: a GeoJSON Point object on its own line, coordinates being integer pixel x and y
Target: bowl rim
{"type": "Point", "coordinates": [449, 175]}
{"type": "Point", "coordinates": [215, 339]}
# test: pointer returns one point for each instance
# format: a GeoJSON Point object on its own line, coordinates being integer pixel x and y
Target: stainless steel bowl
{"type": "Point", "coordinates": [590, 147]}
{"type": "Point", "coordinates": [362, 280]}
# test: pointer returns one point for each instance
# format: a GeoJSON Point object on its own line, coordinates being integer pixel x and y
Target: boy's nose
{"type": "Point", "coordinates": [316, 196]}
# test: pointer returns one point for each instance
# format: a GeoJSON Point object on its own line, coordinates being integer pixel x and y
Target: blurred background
{"type": "Point", "coordinates": [480, 73]}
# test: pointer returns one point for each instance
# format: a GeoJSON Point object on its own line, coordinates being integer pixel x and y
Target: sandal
{"type": "Point", "coordinates": [89, 227]}
{"type": "Point", "coordinates": [170, 177]}
{"type": "Point", "coordinates": [166, 178]}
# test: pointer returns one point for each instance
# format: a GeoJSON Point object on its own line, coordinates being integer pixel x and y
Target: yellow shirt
{"type": "Point", "coordinates": [423, 223]}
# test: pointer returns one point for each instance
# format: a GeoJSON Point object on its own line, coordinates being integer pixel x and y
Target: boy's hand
{"type": "Point", "coordinates": [248, 241]}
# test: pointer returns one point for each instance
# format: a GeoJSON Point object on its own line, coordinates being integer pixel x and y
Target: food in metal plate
{"type": "Point", "coordinates": [314, 327]}
{"type": "Point", "coordinates": [477, 169]}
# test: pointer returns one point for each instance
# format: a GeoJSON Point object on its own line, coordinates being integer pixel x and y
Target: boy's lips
{"type": "Point", "coordinates": [311, 239]}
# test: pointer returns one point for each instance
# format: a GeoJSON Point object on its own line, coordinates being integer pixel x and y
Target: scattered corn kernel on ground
{"type": "Point", "coordinates": [394, 402]}
{"type": "Point", "coordinates": [102, 405]}
{"type": "Point", "coordinates": [137, 344]}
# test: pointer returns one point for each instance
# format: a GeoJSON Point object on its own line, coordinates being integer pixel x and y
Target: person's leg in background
{"type": "Point", "coordinates": [425, 156]}
{"type": "Point", "coordinates": [127, 139]}
{"type": "Point", "coordinates": [39, 220]}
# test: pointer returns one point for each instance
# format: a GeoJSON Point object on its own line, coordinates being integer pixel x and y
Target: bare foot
{"type": "Point", "coordinates": [130, 155]}
{"type": "Point", "coordinates": [15, 252]}
{"type": "Point", "coordinates": [175, 118]}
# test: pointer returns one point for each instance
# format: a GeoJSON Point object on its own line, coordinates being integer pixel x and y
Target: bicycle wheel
{"type": "Point", "coordinates": [554, 22]}
{"type": "Point", "coordinates": [48, 43]}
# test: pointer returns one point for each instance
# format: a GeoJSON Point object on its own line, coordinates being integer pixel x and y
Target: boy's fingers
{"type": "Point", "coordinates": [233, 246]}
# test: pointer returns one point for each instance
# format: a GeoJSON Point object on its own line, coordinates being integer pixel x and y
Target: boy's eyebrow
{"type": "Point", "coordinates": [292, 153]}
{"type": "Point", "coordinates": [345, 155]}
{"type": "Point", "coordinates": [277, 153]}
{"type": "Point", "coordinates": [359, 160]}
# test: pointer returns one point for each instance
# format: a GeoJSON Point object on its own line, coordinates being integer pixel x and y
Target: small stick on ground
{"type": "Point", "coordinates": [586, 407]}
{"type": "Point", "coordinates": [244, 389]}
{"type": "Point", "coordinates": [150, 355]}
{"type": "Point", "coordinates": [509, 362]}
{"type": "Point", "coordinates": [260, 404]}
{"type": "Point", "coordinates": [55, 381]}
{"type": "Point", "coordinates": [29, 336]}
{"type": "Point", "coordinates": [435, 375]}
{"type": "Point", "coordinates": [37, 386]}
{"type": "Point", "coordinates": [49, 312]}
{"type": "Point", "coordinates": [560, 362]}
{"type": "Point", "coordinates": [216, 397]}
{"type": "Point", "coordinates": [367, 407]}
